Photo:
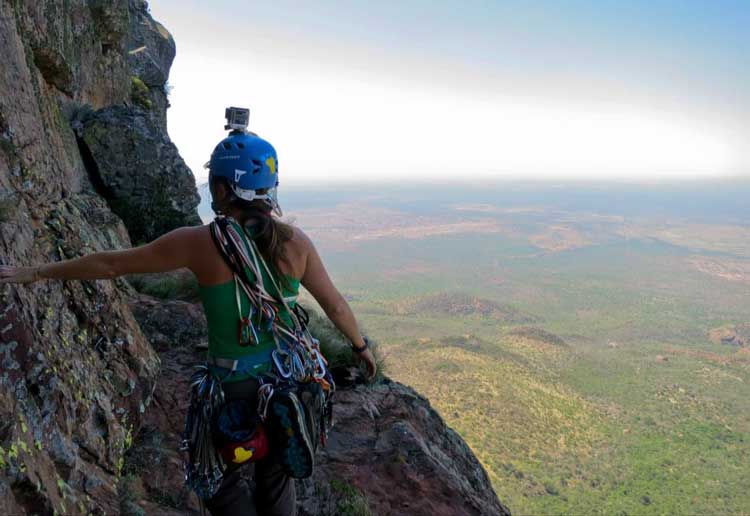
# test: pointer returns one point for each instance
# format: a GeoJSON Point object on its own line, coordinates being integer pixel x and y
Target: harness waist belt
{"type": "Point", "coordinates": [247, 364]}
{"type": "Point", "coordinates": [226, 363]}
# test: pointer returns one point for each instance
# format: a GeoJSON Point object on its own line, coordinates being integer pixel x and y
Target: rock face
{"type": "Point", "coordinates": [131, 161]}
{"type": "Point", "coordinates": [151, 51]}
{"type": "Point", "coordinates": [170, 323]}
{"type": "Point", "coordinates": [140, 172]}
{"type": "Point", "coordinates": [391, 446]}
{"type": "Point", "coordinates": [76, 373]}
{"type": "Point", "coordinates": [389, 451]}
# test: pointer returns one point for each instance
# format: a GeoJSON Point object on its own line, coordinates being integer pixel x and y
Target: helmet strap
{"type": "Point", "coordinates": [274, 200]}
{"type": "Point", "coordinates": [251, 195]}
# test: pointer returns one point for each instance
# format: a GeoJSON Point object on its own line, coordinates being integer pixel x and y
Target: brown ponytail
{"type": "Point", "coordinates": [270, 234]}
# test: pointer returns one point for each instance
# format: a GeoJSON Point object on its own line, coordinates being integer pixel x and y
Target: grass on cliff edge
{"type": "Point", "coordinates": [336, 347]}
{"type": "Point", "coordinates": [353, 502]}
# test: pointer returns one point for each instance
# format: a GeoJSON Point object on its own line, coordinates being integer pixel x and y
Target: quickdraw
{"type": "Point", "coordinates": [204, 465]}
{"type": "Point", "coordinates": [265, 392]}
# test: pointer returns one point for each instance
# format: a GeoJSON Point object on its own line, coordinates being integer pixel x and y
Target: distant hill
{"type": "Point", "coordinates": [461, 304]}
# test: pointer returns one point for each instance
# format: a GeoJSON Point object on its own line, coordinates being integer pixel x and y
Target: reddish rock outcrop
{"type": "Point", "coordinates": [388, 451]}
{"type": "Point", "coordinates": [391, 446]}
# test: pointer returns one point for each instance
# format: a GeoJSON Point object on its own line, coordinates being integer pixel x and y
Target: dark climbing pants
{"type": "Point", "coordinates": [274, 493]}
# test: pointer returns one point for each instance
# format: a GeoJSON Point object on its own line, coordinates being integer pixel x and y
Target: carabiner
{"type": "Point", "coordinates": [269, 311]}
{"type": "Point", "coordinates": [298, 368]}
{"type": "Point", "coordinates": [246, 333]}
{"type": "Point", "coordinates": [321, 373]}
{"type": "Point", "coordinates": [281, 368]}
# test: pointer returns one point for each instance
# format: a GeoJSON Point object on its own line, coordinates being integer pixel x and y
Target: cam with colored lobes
{"type": "Point", "coordinates": [363, 348]}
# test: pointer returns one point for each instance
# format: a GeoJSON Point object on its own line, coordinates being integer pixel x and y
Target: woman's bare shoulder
{"type": "Point", "coordinates": [200, 233]}
{"type": "Point", "coordinates": [198, 237]}
{"type": "Point", "coordinates": [296, 250]}
{"type": "Point", "coordinates": [300, 238]}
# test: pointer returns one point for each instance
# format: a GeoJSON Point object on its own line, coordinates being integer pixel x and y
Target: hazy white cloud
{"type": "Point", "coordinates": [356, 114]}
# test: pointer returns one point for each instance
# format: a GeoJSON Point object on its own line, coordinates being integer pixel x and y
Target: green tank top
{"type": "Point", "coordinates": [220, 306]}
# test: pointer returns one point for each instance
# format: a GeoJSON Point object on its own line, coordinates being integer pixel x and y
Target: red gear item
{"type": "Point", "coordinates": [252, 450]}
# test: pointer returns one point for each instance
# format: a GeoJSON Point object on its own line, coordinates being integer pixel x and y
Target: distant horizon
{"type": "Point", "coordinates": [716, 199]}
{"type": "Point", "coordinates": [470, 182]}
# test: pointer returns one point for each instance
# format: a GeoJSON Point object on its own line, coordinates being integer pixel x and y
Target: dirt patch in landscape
{"type": "Point", "coordinates": [710, 237]}
{"type": "Point", "coordinates": [735, 335]}
{"type": "Point", "coordinates": [347, 224]}
{"type": "Point", "coordinates": [559, 238]}
{"type": "Point", "coordinates": [730, 270]}
{"type": "Point", "coordinates": [736, 358]}
{"type": "Point", "coordinates": [409, 269]}
{"type": "Point", "coordinates": [424, 230]}
{"type": "Point", "coordinates": [491, 208]}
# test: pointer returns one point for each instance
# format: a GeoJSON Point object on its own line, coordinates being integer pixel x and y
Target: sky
{"type": "Point", "coordinates": [445, 91]}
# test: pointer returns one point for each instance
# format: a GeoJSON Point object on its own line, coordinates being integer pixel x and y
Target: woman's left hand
{"type": "Point", "coordinates": [372, 368]}
{"type": "Point", "coordinates": [11, 274]}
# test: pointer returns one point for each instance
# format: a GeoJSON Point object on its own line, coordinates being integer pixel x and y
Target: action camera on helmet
{"type": "Point", "coordinates": [237, 118]}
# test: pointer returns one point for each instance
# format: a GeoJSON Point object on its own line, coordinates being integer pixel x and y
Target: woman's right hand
{"type": "Point", "coordinates": [369, 359]}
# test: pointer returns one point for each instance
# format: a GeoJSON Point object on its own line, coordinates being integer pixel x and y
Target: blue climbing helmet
{"type": "Point", "coordinates": [249, 164]}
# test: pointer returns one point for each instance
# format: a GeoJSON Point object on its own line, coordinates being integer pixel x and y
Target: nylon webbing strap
{"type": "Point", "coordinates": [226, 363]}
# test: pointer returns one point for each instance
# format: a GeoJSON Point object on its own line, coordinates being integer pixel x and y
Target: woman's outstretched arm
{"type": "Point", "coordinates": [168, 252]}
{"type": "Point", "coordinates": [319, 284]}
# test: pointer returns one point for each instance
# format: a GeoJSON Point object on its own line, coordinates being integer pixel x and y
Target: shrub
{"type": "Point", "coordinates": [336, 347]}
{"type": "Point", "coordinates": [139, 92]}
{"type": "Point", "coordinates": [171, 285]}
{"type": "Point", "coordinates": [353, 502]}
